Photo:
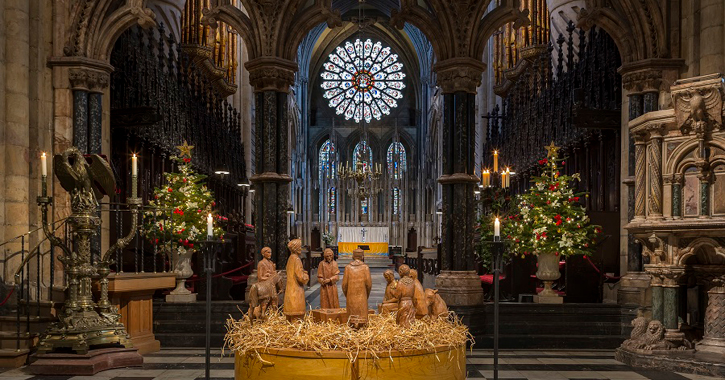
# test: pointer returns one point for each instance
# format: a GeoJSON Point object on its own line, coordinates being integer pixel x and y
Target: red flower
{"type": "Point", "coordinates": [543, 162]}
{"type": "Point", "coordinates": [191, 245]}
{"type": "Point", "coordinates": [548, 202]}
{"type": "Point", "coordinates": [187, 160]}
{"type": "Point", "coordinates": [213, 204]}
{"type": "Point", "coordinates": [170, 189]}
{"type": "Point", "coordinates": [558, 222]}
{"type": "Point", "coordinates": [556, 253]}
{"type": "Point", "coordinates": [184, 180]}
{"type": "Point", "coordinates": [563, 162]}
{"type": "Point", "coordinates": [585, 256]}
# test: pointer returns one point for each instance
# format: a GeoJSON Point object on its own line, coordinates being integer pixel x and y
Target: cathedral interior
{"type": "Point", "coordinates": [414, 131]}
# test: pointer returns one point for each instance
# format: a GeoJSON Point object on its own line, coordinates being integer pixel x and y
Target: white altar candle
{"type": "Point", "coordinates": [209, 226]}
{"type": "Point", "coordinates": [496, 230]}
{"type": "Point", "coordinates": [134, 165]}
{"type": "Point", "coordinates": [43, 165]}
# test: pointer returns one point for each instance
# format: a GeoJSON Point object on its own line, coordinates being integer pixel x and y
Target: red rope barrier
{"type": "Point", "coordinates": [600, 272]}
{"type": "Point", "coordinates": [7, 297]}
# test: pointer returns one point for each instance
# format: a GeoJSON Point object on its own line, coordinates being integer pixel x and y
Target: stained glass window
{"type": "Point", "coordinates": [327, 166]}
{"type": "Point", "coordinates": [396, 200]}
{"type": "Point", "coordinates": [397, 162]}
{"type": "Point", "coordinates": [364, 206]}
{"type": "Point", "coordinates": [359, 154]}
{"type": "Point", "coordinates": [363, 80]}
{"type": "Point", "coordinates": [332, 200]}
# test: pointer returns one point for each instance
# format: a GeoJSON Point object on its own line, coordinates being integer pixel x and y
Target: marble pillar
{"type": "Point", "coordinates": [458, 284]}
{"type": "Point", "coordinates": [271, 79]}
{"type": "Point", "coordinates": [704, 195]}
{"type": "Point", "coordinates": [654, 165]}
{"type": "Point", "coordinates": [670, 306]}
{"type": "Point", "coordinates": [658, 311]}
{"type": "Point", "coordinates": [677, 196]}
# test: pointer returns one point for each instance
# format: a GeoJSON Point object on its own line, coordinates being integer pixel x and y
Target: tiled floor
{"type": "Point", "coordinates": [188, 364]}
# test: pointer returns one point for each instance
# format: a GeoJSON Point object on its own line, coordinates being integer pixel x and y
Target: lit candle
{"type": "Point", "coordinates": [134, 165]}
{"type": "Point", "coordinates": [209, 226]}
{"type": "Point", "coordinates": [496, 230]}
{"type": "Point", "coordinates": [508, 178]}
{"type": "Point", "coordinates": [503, 180]}
{"type": "Point", "coordinates": [43, 165]}
{"type": "Point", "coordinates": [486, 178]}
{"type": "Point", "coordinates": [495, 160]}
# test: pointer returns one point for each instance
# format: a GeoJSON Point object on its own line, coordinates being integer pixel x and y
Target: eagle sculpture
{"type": "Point", "coordinates": [86, 178]}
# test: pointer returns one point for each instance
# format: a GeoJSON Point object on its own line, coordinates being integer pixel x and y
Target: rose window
{"type": "Point", "coordinates": [363, 80]}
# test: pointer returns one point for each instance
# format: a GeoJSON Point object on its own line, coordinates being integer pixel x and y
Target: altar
{"type": "Point", "coordinates": [375, 238]}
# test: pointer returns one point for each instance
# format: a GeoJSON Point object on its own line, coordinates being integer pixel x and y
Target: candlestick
{"type": "Point", "coordinates": [209, 226]}
{"type": "Point", "coordinates": [496, 230]}
{"type": "Point", "coordinates": [134, 165]}
{"type": "Point", "coordinates": [503, 179]}
{"type": "Point", "coordinates": [495, 160]}
{"type": "Point", "coordinates": [43, 165]}
{"type": "Point", "coordinates": [508, 178]}
{"type": "Point", "coordinates": [486, 178]}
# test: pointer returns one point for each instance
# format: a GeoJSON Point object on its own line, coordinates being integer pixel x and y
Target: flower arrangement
{"type": "Point", "coordinates": [327, 238]}
{"type": "Point", "coordinates": [177, 216]}
{"type": "Point", "coordinates": [549, 216]}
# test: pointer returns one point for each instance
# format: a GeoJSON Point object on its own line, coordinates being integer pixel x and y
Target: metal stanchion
{"type": "Point", "coordinates": [209, 270]}
{"type": "Point", "coordinates": [497, 248]}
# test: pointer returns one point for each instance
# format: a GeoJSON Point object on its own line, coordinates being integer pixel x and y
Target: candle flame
{"type": "Point", "coordinates": [42, 154]}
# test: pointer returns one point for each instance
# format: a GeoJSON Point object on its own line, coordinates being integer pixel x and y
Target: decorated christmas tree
{"type": "Point", "coordinates": [177, 215]}
{"type": "Point", "coordinates": [549, 217]}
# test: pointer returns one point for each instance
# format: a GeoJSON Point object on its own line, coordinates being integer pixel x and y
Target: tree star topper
{"type": "Point", "coordinates": [553, 150]}
{"type": "Point", "coordinates": [185, 150]}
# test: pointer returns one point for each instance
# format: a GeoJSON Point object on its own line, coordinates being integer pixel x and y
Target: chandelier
{"type": "Point", "coordinates": [364, 177]}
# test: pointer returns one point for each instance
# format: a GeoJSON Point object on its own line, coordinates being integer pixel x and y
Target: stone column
{"type": "Point", "coordinates": [458, 283]}
{"type": "Point", "coordinates": [640, 178]}
{"type": "Point", "coordinates": [271, 79]}
{"type": "Point", "coordinates": [714, 339]}
{"type": "Point", "coordinates": [704, 177]}
{"type": "Point", "coordinates": [658, 310]}
{"type": "Point", "coordinates": [670, 301]}
{"type": "Point", "coordinates": [677, 196]}
{"type": "Point", "coordinates": [79, 85]}
{"type": "Point", "coordinates": [654, 162]}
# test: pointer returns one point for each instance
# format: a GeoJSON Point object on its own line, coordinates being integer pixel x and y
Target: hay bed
{"type": "Point", "coordinates": [380, 338]}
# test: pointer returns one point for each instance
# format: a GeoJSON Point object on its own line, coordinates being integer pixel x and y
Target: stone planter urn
{"type": "Point", "coordinates": [182, 271]}
{"type": "Point", "coordinates": [548, 272]}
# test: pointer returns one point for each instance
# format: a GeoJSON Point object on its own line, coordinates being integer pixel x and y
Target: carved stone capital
{"type": "Point", "coordinates": [649, 75]}
{"type": "Point", "coordinates": [656, 131]}
{"type": "Point", "coordinates": [671, 277]}
{"type": "Point", "coordinates": [459, 74]}
{"type": "Point", "coordinates": [271, 74]}
{"type": "Point", "coordinates": [88, 79]}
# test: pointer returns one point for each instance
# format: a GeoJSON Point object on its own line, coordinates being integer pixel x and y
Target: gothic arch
{"type": "Point", "coordinates": [712, 248]}
{"type": "Point", "coordinates": [97, 25]}
{"type": "Point", "coordinates": [636, 26]}
{"type": "Point", "coordinates": [675, 162]}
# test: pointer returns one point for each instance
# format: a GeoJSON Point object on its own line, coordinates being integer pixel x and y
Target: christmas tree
{"type": "Point", "coordinates": [178, 213]}
{"type": "Point", "coordinates": [549, 216]}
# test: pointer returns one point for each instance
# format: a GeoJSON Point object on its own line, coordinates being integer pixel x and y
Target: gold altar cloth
{"type": "Point", "coordinates": [376, 249]}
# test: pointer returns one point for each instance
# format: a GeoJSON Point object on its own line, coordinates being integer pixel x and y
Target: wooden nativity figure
{"type": "Point", "coordinates": [390, 303]}
{"type": "Point", "coordinates": [405, 292]}
{"type": "Point", "coordinates": [327, 275]}
{"type": "Point", "coordinates": [356, 285]}
{"type": "Point", "coordinates": [421, 307]}
{"type": "Point", "coordinates": [263, 294]}
{"type": "Point", "coordinates": [297, 277]}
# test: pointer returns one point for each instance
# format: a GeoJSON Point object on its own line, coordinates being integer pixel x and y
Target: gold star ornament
{"type": "Point", "coordinates": [185, 150]}
{"type": "Point", "coordinates": [553, 150]}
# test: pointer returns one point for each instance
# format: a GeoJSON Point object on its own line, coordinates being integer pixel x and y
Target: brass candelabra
{"type": "Point", "coordinates": [364, 177]}
{"type": "Point", "coordinates": [84, 323]}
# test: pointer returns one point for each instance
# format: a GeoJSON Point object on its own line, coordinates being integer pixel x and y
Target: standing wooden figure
{"type": "Point", "coordinates": [327, 275]}
{"type": "Point", "coordinates": [356, 284]}
{"type": "Point", "coordinates": [297, 277]}
{"type": "Point", "coordinates": [266, 268]}
{"type": "Point", "coordinates": [404, 292]}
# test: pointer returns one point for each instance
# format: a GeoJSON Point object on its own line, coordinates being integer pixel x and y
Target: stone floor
{"type": "Point", "coordinates": [188, 364]}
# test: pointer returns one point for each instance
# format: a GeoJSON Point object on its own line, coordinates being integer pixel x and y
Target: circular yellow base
{"type": "Point", "coordinates": [285, 364]}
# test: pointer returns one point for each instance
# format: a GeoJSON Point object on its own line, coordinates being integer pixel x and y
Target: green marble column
{"type": "Point", "coordinates": [676, 200]}
{"type": "Point", "coordinates": [670, 307]}
{"type": "Point", "coordinates": [658, 311]}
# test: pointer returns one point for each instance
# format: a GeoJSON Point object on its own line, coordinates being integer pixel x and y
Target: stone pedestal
{"type": "Point", "coordinates": [635, 289]}
{"type": "Point", "coordinates": [548, 299]}
{"type": "Point", "coordinates": [132, 294]}
{"type": "Point", "coordinates": [714, 339]}
{"type": "Point", "coordinates": [89, 364]}
{"type": "Point", "coordinates": [460, 288]}
{"type": "Point", "coordinates": [181, 298]}
{"type": "Point", "coordinates": [182, 271]}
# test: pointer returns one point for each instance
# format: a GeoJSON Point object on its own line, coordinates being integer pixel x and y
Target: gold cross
{"type": "Point", "coordinates": [185, 150]}
{"type": "Point", "coordinates": [552, 150]}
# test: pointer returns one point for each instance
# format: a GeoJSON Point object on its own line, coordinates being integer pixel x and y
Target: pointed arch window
{"type": "Point", "coordinates": [327, 173]}
{"type": "Point", "coordinates": [362, 153]}
{"type": "Point", "coordinates": [397, 161]}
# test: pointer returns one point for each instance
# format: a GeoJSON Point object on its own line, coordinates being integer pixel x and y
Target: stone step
{"type": "Point", "coordinates": [12, 358]}
{"type": "Point", "coordinates": [542, 341]}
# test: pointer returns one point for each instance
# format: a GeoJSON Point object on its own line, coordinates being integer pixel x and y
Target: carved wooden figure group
{"type": "Point", "coordinates": [406, 297]}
